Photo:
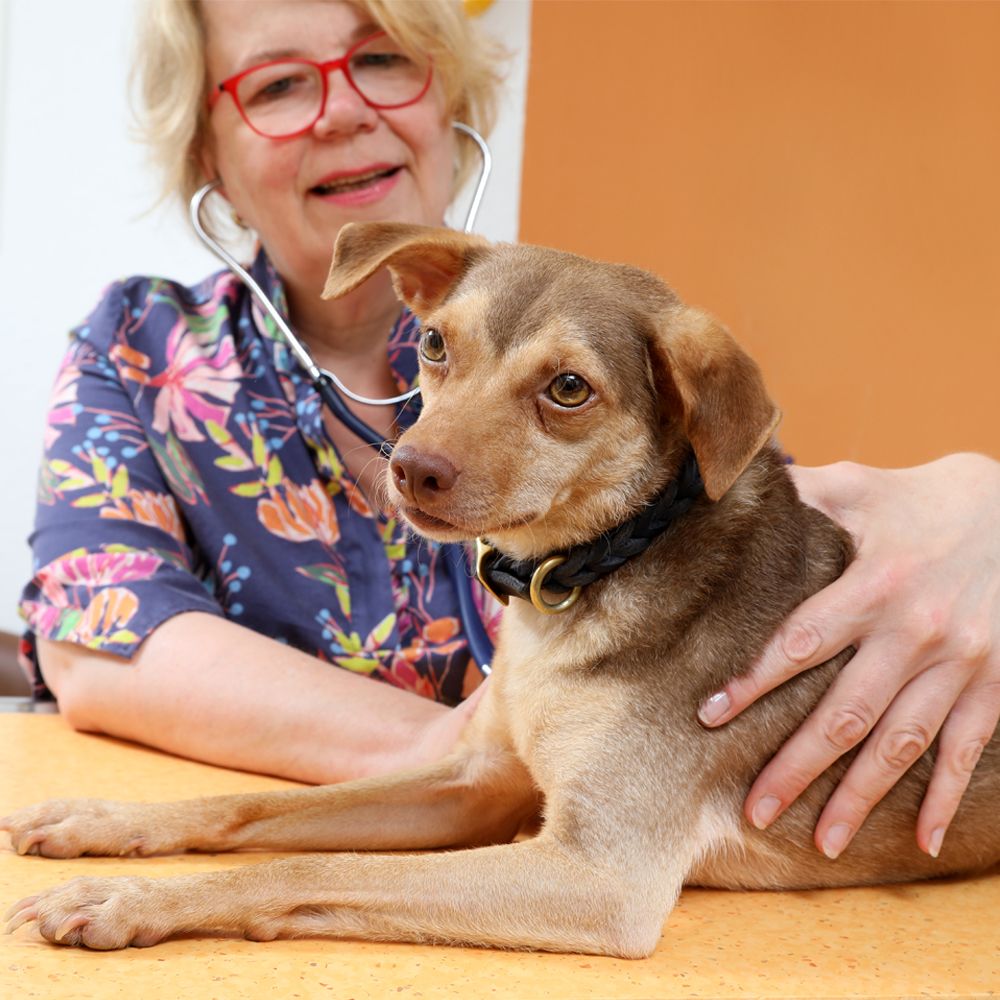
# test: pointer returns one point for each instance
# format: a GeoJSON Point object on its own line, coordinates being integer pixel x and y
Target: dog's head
{"type": "Point", "coordinates": [559, 393]}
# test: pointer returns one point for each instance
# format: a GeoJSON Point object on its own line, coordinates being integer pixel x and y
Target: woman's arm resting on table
{"type": "Point", "coordinates": [921, 603]}
{"type": "Point", "coordinates": [205, 688]}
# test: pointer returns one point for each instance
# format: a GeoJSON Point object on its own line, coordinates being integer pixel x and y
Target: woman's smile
{"type": "Point", "coordinates": [358, 187]}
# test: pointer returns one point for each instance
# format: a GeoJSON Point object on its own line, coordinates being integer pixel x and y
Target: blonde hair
{"type": "Point", "coordinates": [171, 85]}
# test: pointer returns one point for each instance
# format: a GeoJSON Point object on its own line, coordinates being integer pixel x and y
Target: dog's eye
{"type": "Point", "coordinates": [569, 390]}
{"type": "Point", "coordinates": [432, 346]}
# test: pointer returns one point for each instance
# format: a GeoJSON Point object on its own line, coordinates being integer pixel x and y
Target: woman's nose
{"type": "Point", "coordinates": [344, 109]}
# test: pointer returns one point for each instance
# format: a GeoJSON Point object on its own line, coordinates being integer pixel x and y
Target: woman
{"type": "Point", "coordinates": [195, 468]}
{"type": "Point", "coordinates": [226, 432]}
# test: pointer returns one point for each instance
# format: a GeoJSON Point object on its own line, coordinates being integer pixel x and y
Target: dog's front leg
{"type": "Point", "coordinates": [534, 894]}
{"type": "Point", "coordinates": [480, 794]}
{"type": "Point", "coordinates": [471, 798]}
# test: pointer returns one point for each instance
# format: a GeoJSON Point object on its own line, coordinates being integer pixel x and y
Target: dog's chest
{"type": "Point", "coordinates": [556, 710]}
{"type": "Point", "coordinates": [534, 656]}
{"type": "Point", "coordinates": [585, 741]}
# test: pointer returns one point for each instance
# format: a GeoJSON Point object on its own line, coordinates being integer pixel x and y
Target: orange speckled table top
{"type": "Point", "coordinates": [924, 940]}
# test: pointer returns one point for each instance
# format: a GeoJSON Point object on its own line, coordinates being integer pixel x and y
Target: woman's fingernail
{"type": "Point", "coordinates": [934, 844]}
{"type": "Point", "coordinates": [765, 812]}
{"type": "Point", "coordinates": [836, 839]}
{"type": "Point", "coordinates": [714, 708]}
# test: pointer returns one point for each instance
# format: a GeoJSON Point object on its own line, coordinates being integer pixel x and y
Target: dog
{"type": "Point", "coordinates": [613, 451]}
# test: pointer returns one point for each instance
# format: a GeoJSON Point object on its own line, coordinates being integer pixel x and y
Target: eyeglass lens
{"type": "Point", "coordinates": [286, 97]}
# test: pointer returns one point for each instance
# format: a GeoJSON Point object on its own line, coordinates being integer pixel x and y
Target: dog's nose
{"type": "Point", "coordinates": [421, 476]}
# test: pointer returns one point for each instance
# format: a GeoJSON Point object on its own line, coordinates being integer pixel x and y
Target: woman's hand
{"type": "Point", "coordinates": [921, 603]}
{"type": "Point", "coordinates": [443, 732]}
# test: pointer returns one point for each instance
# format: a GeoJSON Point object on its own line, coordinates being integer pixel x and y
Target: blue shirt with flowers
{"type": "Point", "coordinates": [187, 468]}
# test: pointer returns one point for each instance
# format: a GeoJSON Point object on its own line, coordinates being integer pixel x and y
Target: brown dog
{"type": "Point", "coordinates": [563, 400]}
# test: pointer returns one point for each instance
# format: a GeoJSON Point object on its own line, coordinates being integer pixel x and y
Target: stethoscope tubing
{"type": "Point", "coordinates": [331, 390]}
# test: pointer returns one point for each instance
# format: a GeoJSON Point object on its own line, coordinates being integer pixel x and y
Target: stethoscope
{"type": "Point", "coordinates": [331, 390]}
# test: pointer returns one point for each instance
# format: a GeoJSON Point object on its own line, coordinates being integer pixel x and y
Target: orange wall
{"type": "Point", "coordinates": [824, 177]}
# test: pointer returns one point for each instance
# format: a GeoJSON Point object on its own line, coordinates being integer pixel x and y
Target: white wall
{"type": "Point", "coordinates": [73, 193]}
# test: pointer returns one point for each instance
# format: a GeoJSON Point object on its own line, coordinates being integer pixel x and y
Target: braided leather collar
{"type": "Point", "coordinates": [569, 572]}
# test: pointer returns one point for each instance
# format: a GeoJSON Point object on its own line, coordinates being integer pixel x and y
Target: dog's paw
{"type": "Point", "coordinates": [99, 913]}
{"type": "Point", "coordinates": [69, 828]}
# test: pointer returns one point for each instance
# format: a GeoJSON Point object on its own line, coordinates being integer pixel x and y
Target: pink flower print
{"type": "Point", "coordinates": [490, 611]}
{"type": "Point", "coordinates": [93, 569]}
{"type": "Point", "coordinates": [402, 674]}
{"type": "Point", "coordinates": [62, 405]}
{"type": "Point", "coordinates": [43, 619]}
{"type": "Point", "coordinates": [190, 378]}
{"type": "Point", "coordinates": [101, 622]}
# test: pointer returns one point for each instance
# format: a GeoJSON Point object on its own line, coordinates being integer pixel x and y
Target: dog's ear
{"type": "Point", "coordinates": [718, 392]}
{"type": "Point", "coordinates": [424, 262]}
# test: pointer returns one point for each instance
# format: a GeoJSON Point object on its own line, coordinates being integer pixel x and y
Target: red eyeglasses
{"type": "Point", "coordinates": [285, 98]}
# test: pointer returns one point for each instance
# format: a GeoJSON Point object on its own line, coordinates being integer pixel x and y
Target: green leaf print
{"type": "Point", "coordinates": [380, 633]}
{"type": "Point", "coordinates": [182, 477]}
{"type": "Point", "coordinates": [359, 664]}
{"type": "Point", "coordinates": [68, 621]}
{"type": "Point", "coordinates": [90, 500]}
{"type": "Point", "coordinates": [328, 573]}
{"type": "Point", "coordinates": [248, 489]}
{"type": "Point", "coordinates": [259, 449]}
{"type": "Point", "coordinates": [119, 483]}
{"type": "Point", "coordinates": [344, 599]}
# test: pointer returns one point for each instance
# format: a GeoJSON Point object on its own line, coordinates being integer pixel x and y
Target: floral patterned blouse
{"type": "Point", "coordinates": [187, 468]}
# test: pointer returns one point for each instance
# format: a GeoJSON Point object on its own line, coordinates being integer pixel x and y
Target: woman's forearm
{"type": "Point", "coordinates": [205, 688]}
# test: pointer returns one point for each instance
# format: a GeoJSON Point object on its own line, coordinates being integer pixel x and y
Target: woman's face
{"type": "Point", "coordinates": [282, 188]}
